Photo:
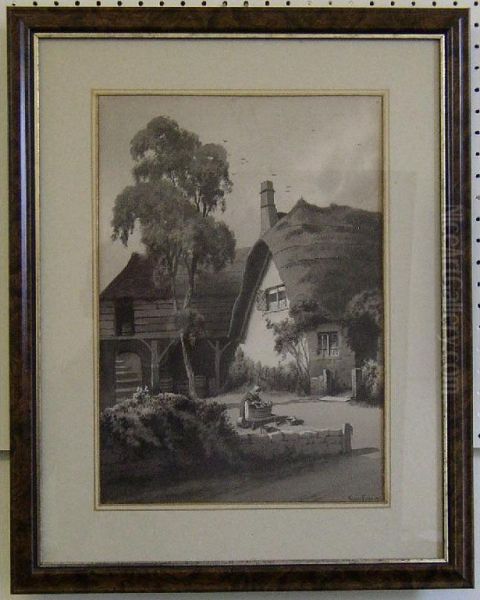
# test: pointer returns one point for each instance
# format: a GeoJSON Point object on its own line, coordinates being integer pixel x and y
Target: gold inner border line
{"type": "Point", "coordinates": [82, 35]}
{"type": "Point", "coordinates": [384, 170]}
{"type": "Point", "coordinates": [260, 36]}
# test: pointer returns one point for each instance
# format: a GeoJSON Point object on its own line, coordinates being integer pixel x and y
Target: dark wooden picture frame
{"type": "Point", "coordinates": [28, 575]}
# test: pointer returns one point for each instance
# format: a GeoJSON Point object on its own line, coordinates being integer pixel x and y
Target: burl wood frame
{"type": "Point", "coordinates": [28, 575]}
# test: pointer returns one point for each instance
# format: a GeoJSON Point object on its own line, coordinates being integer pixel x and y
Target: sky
{"type": "Point", "coordinates": [326, 149]}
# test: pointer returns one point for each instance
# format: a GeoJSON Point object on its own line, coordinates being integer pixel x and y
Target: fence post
{"type": "Point", "coordinates": [356, 381]}
{"type": "Point", "coordinates": [347, 438]}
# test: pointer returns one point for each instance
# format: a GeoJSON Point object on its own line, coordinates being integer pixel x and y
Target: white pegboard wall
{"type": "Point", "coordinates": [254, 3]}
{"type": "Point", "coordinates": [473, 5]}
{"type": "Point", "coordinates": [475, 127]}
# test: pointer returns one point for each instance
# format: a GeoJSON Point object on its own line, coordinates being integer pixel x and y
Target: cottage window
{"type": "Point", "coordinates": [124, 317]}
{"type": "Point", "coordinates": [276, 298]}
{"type": "Point", "coordinates": [327, 344]}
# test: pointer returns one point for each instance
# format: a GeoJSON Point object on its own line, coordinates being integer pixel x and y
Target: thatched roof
{"type": "Point", "coordinates": [214, 297]}
{"type": "Point", "coordinates": [320, 253]}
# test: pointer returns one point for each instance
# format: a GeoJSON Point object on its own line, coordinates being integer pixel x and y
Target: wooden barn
{"type": "Point", "coordinates": [138, 339]}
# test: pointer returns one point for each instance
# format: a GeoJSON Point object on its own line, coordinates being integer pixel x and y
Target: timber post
{"type": "Point", "coordinates": [154, 364]}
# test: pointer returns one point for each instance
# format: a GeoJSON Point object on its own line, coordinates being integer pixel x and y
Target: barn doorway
{"type": "Point", "coordinates": [128, 375]}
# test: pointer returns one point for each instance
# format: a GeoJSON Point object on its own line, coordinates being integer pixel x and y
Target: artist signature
{"type": "Point", "coordinates": [364, 498]}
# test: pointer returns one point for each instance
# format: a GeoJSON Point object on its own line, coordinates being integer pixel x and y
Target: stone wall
{"type": "Point", "coordinates": [307, 442]}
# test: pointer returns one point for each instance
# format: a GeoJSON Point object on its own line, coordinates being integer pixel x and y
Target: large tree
{"type": "Point", "coordinates": [179, 183]}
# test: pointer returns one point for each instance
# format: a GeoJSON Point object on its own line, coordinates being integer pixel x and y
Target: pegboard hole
{"type": "Point", "coordinates": [77, 3]}
{"type": "Point", "coordinates": [140, 3]}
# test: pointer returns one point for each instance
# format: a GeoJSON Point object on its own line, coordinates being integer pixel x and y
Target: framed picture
{"type": "Point", "coordinates": [240, 299]}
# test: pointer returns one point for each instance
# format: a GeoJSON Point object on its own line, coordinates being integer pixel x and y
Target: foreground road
{"type": "Point", "coordinates": [353, 478]}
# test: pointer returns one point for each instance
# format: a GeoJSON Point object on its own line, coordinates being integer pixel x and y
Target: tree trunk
{"type": "Point", "coordinates": [188, 368]}
{"type": "Point", "coordinates": [186, 306]}
{"type": "Point", "coordinates": [218, 356]}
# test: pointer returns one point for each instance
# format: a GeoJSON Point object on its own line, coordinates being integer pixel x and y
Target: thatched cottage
{"type": "Point", "coordinates": [310, 253]}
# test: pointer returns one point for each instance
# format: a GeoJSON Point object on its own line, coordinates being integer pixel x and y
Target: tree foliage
{"type": "Point", "coordinates": [364, 324]}
{"type": "Point", "coordinates": [163, 150]}
{"type": "Point", "coordinates": [179, 183]}
{"type": "Point", "coordinates": [308, 314]}
{"type": "Point", "coordinates": [290, 340]}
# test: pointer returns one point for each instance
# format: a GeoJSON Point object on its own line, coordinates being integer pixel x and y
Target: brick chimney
{"type": "Point", "coordinates": [268, 211]}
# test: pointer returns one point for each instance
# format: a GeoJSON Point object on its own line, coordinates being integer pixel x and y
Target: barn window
{"type": "Point", "coordinates": [276, 298]}
{"type": "Point", "coordinates": [327, 344]}
{"type": "Point", "coordinates": [124, 321]}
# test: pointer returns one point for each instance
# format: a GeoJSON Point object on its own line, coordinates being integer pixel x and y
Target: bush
{"type": "Point", "coordinates": [241, 373]}
{"type": "Point", "coordinates": [364, 324]}
{"type": "Point", "coordinates": [179, 433]}
{"type": "Point", "coordinates": [372, 387]}
{"type": "Point", "coordinates": [244, 373]}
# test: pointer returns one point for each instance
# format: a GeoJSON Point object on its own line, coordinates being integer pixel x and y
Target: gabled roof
{"type": "Point", "coordinates": [214, 297]}
{"type": "Point", "coordinates": [309, 246]}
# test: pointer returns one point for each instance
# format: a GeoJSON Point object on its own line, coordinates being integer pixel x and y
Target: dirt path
{"type": "Point", "coordinates": [354, 478]}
